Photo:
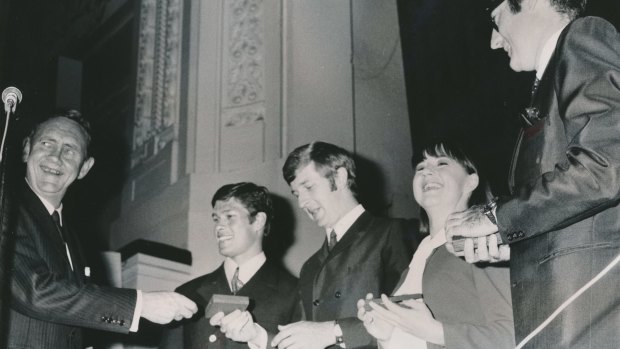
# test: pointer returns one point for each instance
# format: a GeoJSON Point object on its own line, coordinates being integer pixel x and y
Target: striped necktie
{"type": "Point", "coordinates": [235, 283]}
{"type": "Point", "coordinates": [333, 239]}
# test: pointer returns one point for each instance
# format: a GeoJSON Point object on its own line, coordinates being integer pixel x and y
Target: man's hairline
{"type": "Point", "coordinates": [251, 217]}
{"type": "Point", "coordinates": [85, 134]}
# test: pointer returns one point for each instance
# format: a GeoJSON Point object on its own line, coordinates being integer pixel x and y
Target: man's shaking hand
{"type": "Point", "coordinates": [163, 307]}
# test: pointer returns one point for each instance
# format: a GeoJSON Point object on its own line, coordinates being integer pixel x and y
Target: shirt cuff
{"type": "Point", "coordinates": [339, 335]}
{"type": "Point", "coordinates": [260, 341]}
{"type": "Point", "coordinates": [135, 322]}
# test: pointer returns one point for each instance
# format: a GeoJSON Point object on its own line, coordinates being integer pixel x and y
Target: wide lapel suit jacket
{"type": "Point", "coordinates": [369, 258]}
{"type": "Point", "coordinates": [50, 303]}
{"type": "Point", "coordinates": [563, 220]}
{"type": "Point", "coordinates": [273, 301]}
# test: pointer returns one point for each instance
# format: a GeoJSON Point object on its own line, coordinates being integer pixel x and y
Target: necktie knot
{"type": "Point", "coordinates": [56, 219]}
{"type": "Point", "coordinates": [333, 239]}
{"type": "Point", "coordinates": [235, 283]}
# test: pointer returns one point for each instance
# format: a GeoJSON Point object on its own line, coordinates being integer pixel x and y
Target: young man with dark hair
{"type": "Point", "coordinates": [242, 214]}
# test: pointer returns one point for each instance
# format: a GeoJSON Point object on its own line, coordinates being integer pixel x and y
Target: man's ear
{"type": "Point", "coordinates": [25, 149]}
{"type": "Point", "coordinates": [86, 166]}
{"type": "Point", "coordinates": [342, 177]}
{"type": "Point", "coordinates": [259, 222]}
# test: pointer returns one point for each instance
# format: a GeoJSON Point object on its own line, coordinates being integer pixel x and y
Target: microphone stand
{"type": "Point", "coordinates": [6, 229]}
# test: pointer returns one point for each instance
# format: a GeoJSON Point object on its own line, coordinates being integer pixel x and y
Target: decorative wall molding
{"type": "Point", "coordinates": [158, 78]}
{"type": "Point", "coordinates": [242, 115]}
{"type": "Point", "coordinates": [244, 53]}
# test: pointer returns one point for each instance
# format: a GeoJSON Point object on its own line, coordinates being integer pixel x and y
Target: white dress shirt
{"type": "Point", "coordinates": [345, 222]}
{"type": "Point", "coordinates": [547, 52]}
{"type": "Point", "coordinates": [246, 270]}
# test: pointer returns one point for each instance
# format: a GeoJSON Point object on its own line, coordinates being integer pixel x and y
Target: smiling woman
{"type": "Point", "coordinates": [465, 306]}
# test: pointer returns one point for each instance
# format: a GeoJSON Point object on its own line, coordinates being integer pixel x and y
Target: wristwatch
{"type": "Point", "coordinates": [488, 210]}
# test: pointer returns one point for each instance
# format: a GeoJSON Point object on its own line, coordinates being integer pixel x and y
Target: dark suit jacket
{"type": "Point", "coordinates": [273, 302]}
{"type": "Point", "coordinates": [50, 302]}
{"type": "Point", "coordinates": [368, 259]}
{"type": "Point", "coordinates": [563, 220]}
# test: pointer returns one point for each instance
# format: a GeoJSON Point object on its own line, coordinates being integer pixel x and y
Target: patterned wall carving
{"type": "Point", "coordinates": [243, 80]}
{"type": "Point", "coordinates": [248, 116]}
{"type": "Point", "coordinates": [244, 52]}
{"type": "Point", "coordinates": [157, 86]}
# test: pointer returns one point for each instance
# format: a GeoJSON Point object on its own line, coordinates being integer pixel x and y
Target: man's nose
{"type": "Point", "coordinates": [301, 200]}
{"type": "Point", "coordinates": [496, 40]}
{"type": "Point", "coordinates": [56, 154]}
{"type": "Point", "coordinates": [219, 226]}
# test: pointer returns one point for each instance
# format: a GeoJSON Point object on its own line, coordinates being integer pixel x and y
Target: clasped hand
{"type": "Point", "coordinates": [238, 326]}
{"type": "Point", "coordinates": [377, 326]}
{"type": "Point", "coordinates": [413, 317]}
{"type": "Point", "coordinates": [474, 224]}
{"type": "Point", "coordinates": [163, 307]}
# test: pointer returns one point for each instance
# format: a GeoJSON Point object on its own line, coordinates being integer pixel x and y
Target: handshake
{"type": "Point", "coordinates": [163, 307]}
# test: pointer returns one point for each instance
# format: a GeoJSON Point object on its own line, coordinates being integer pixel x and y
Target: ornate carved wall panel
{"type": "Point", "coordinates": [243, 79]}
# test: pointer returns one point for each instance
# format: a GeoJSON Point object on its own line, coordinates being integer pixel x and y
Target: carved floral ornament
{"type": "Point", "coordinates": [244, 42]}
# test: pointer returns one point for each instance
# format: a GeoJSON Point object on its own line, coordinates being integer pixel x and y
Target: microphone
{"type": "Point", "coordinates": [10, 97]}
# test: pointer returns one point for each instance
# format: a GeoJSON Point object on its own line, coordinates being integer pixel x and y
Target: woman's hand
{"type": "Point", "coordinates": [376, 326]}
{"type": "Point", "coordinates": [416, 319]}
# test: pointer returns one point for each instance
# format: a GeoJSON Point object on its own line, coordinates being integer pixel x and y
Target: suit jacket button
{"type": "Point", "coordinates": [212, 338]}
{"type": "Point", "coordinates": [316, 302]}
{"type": "Point", "coordinates": [121, 323]}
{"type": "Point", "coordinates": [338, 294]}
{"type": "Point", "coordinates": [510, 237]}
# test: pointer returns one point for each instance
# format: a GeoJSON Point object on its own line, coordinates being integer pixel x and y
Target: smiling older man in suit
{"type": "Point", "coordinates": [51, 297]}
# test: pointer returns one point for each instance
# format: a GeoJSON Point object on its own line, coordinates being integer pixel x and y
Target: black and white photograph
{"type": "Point", "coordinates": [310, 174]}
